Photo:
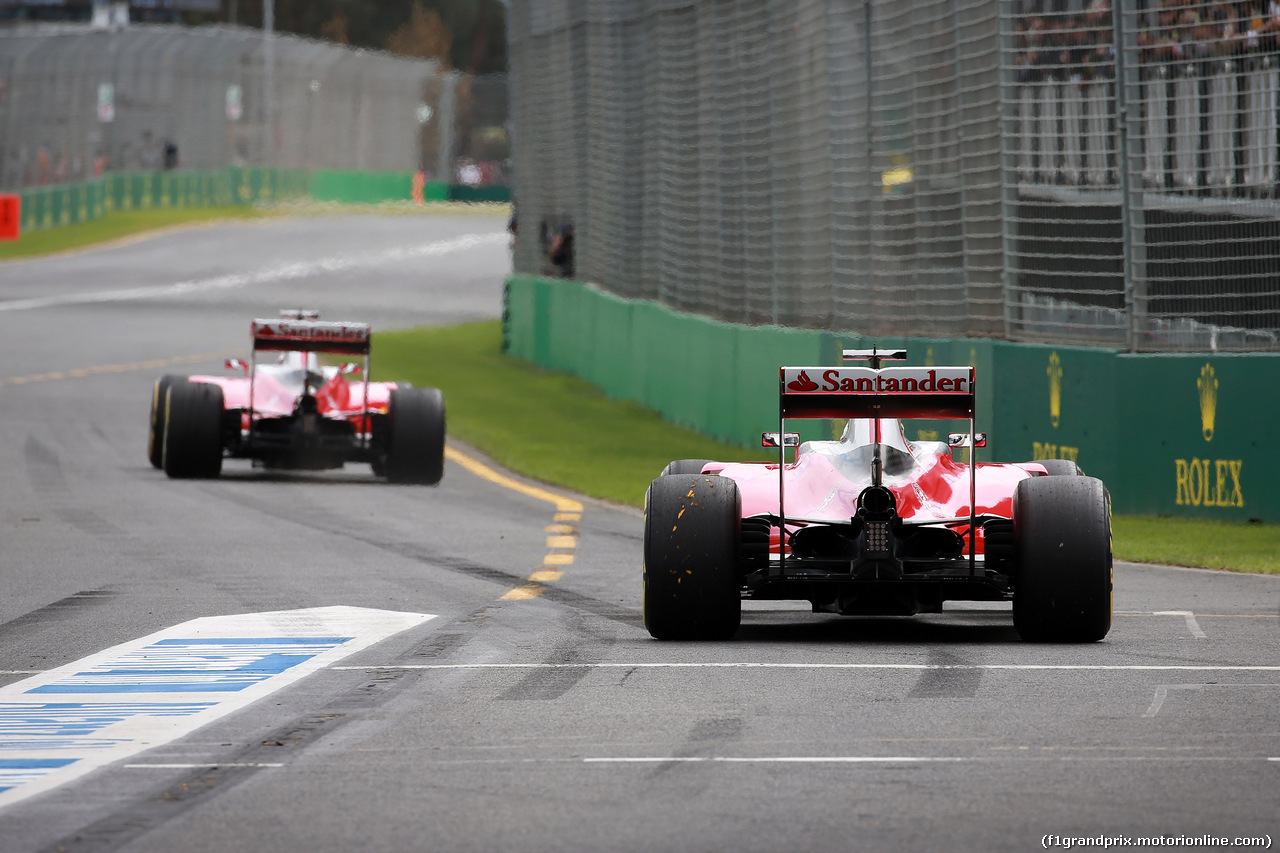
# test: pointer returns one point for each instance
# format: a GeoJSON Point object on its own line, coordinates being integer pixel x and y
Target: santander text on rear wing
{"type": "Point", "coordinates": [864, 392]}
{"type": "Point", "coordinates": [311, 336]}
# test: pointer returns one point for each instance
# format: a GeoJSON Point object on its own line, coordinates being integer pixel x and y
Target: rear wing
{"type": "Point", "coordinates": [311, 336]}
{"type": "Point", "coordinates": [863, 392]}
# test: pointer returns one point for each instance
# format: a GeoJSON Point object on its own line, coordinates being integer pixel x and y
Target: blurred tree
{"type": "Point", "coordinates": [424, 36]}
{"type": "Point", "coordinates": [335, 29]}
{"type": "Point", "coordinates": [477, 29]}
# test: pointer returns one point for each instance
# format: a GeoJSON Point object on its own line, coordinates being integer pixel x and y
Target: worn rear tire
{"type": "Point", "coordinates": [155, 437]}
{"type": "Point", "coordinates": [415, 436]}
{"type": "Point", "coordinates": [193, 430]}
{"type": "Point", "coordinates": [1060, 467]}
{"type": "Point", "coordinates": [684, 466]}
{"type": "Point", "coordinates": [1062, 559]}
{"type": "Point", "coordinates": [692, 538]}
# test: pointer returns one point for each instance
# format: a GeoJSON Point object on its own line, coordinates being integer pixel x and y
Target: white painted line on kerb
{"type": "Point", "coordinates": [1018, 667]}
{"type": "Point", "coordinates": [785, 759]}
{"type": "Point", "coordinates": [199, 766]}
{"type": "Point", "coordinates": [271, 275]}
{"type": "Point", "coordinates": [1162, 692]}
{"type": "Point", "coordinates": [1192, 625]}
{"type": "Point", "coordinates": [61, 724]}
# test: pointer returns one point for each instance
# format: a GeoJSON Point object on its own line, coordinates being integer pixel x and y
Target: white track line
{"type": "Point", "coordinates": [1162, 693]}
{"type": "Point", "coordinates": [1021, 667]}
{"type": "Point", "coordinates": [198, 766]}
{"type": "Point", "coordinates": [1192, 625]}
{"type": "Point", "coordinates": [272, 275]}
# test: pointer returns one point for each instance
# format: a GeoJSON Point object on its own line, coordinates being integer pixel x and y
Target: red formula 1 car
{"type": "Point", "coordinates": [295, 413]}
{"type": "Point", "coordinates": [874, 524]}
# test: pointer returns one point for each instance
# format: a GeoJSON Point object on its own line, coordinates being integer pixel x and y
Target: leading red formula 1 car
{"type": "Point", "coordinates": [874, 524]}
{"type": "Point", "coordinates": [295, 413]}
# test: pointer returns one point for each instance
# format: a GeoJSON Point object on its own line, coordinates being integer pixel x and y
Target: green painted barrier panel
{"type": "Point", "coordinates": [1169, 434]}
{"type": "Point", "coordinates": [1197, 442]}
{"type": "Point", "coordinates": [349, 186]}
{"type": "Point", "coordinates": [1058, 403]}
{"type": "Point", "coordinates": [462, 192]}
{"type": "Point", "coordinates": [68, 204]}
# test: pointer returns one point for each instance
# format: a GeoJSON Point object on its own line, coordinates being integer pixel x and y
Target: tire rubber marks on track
{"type": "Point", "coordinates": [129, 367]}
{"type": "Point", "coordinates": [65, 722]}
{"type": "Point", "coordinates": [562, 532]}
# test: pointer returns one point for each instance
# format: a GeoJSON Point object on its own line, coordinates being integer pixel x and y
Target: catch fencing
{"type": "Point", "coordinates": [77, 102]}
{"type": "Point", "coordinates": [934, 168]}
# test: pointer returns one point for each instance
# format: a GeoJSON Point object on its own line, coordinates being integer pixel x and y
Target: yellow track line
{"type": "Point", "coordinates": [562, 538]}
{"type": "Point", "coordinates": [475, 466]}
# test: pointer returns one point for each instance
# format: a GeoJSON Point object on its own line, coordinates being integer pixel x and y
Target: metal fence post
{"type": "Point", "coordinates": [1009, 135]}
{"type": "Point", "coordinates": [1132, 215]}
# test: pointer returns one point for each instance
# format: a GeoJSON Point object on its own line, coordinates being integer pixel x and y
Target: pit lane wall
{"type": "Point", "coordinates": [1179, 435]}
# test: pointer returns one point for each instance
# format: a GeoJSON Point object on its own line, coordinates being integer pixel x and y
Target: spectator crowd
{"type": "Point", "coordinates": [1080, 46]}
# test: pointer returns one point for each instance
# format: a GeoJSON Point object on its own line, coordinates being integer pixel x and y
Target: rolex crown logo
{"type": "Point", "coordinates": [1208, 385]}
{"type": "Point", "coordinates": [1055, 389]}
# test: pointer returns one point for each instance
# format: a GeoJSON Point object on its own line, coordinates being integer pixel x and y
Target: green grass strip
{"type": "Point", "coordinates": [563, 430]}
{"type": "Point", "coordinates": [1232, 545]}
{"type": "Point", "coordinates": [549, 426]}
{"type": "Point", "coordinates": [119, 224]}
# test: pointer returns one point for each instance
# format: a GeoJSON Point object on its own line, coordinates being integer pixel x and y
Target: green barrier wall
{"type": "Point", "coordinates": [357, 187]}
{"type": "Point", "coordinates": [68, 204]}
{"type": "Point", "coordinates": [462, 192]}
{"type": "Point", "coordinates": [362, 187]}
{"type": "Point", "coordinates": [1169, 434]}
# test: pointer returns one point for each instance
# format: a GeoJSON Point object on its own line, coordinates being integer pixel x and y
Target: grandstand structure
{"type": "Point", "coordinates": [1022, 171]}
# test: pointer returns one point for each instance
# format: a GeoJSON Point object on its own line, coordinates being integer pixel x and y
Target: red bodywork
{"type": "Point", "coordinates": [817, 489]}
{"type": "Point", "coordinates": [338, 397]}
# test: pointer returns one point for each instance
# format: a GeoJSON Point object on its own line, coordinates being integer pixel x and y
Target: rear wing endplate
{"type": "Point", "coordinates": [311, 336]}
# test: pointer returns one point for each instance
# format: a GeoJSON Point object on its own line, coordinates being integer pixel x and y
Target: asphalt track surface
{"type": "Point", "coordinates": [539, 715]}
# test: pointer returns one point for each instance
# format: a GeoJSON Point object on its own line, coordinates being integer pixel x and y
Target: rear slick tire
{"type": "Point", "coordinates": [684, 466]}
{"type": "Point", "coordinates": [155, 438]}
{"type": "Point", "coordinates": [193, 430]}
{"type": "Point", "coordinates": [1060, 467]}
{"type": "Point", "coordinates": [692, 537]}
{"type": "Point", "coordinates": [1063, 577]}
{"type": "Point", "coordinates": [415, 436]}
